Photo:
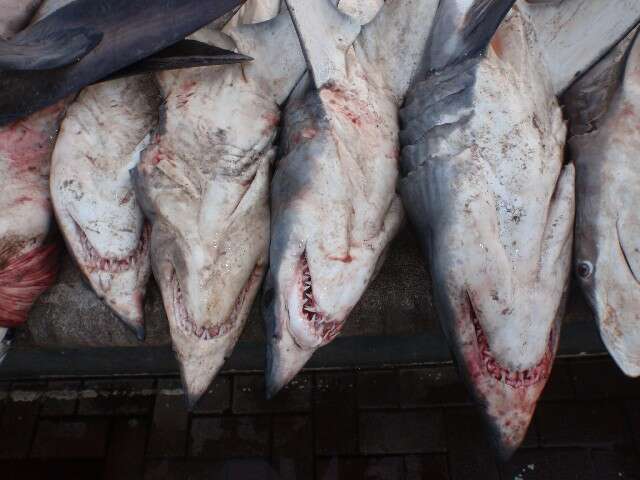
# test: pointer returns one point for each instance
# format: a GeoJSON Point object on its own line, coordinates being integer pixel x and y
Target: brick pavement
{"type": "Point", "coordinates": [402, 424]}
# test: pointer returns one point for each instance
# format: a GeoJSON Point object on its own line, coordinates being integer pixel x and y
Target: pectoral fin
{"type": "Point", "coordinates": [184, 54]}
{"type": "Point", "coordinates": [51, 51]}
{"type": "Point", "coordinates": [575, 34]}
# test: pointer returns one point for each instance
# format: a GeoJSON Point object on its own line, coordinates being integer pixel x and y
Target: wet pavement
{"type": "Point", "coordinates": [400, 424]}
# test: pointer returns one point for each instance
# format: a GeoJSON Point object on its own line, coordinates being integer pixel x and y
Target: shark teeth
{"type": "Point", "coordinates": [94, 261]}
{"type": "Point", "coordinates": [327, 329]}
{"type": "Point", "coordinates": [515, 379]}
{"type": "Point", "coordinates": [187, 325]}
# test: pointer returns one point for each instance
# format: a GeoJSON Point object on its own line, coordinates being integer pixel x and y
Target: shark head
{"type": "Point", "coordinates": [605, 111]}
{"type": "Point", "coordinates": [209, 258]}
{"type": "Point", "coordinates": [93, 197]}
{"type": "Point", "coordinates": [108, 239]}
{"type": "Point", "coordinates": [485, 186]}
{"type": "Point", "coordinates": [330, 229]}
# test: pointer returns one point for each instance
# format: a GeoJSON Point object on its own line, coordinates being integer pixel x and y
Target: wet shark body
{"type": "Point", "coordinates": [604, 108]}
{"type": "Point", "coordinates": [98, 38]}
{"type": "Point", "coordinates": [334, 205]}
{"type": "Point", "coordinates": [484, 185]}
{"type": "Point", "coordinates": [204, 184]}
{"type": "Point", "coordinates": [93, 196]}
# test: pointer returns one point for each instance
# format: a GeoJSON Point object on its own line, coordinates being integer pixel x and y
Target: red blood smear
{"type": "Point", "coordinates": [23, 280]}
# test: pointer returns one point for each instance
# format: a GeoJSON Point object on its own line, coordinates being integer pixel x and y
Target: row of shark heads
{"type": "Point", "coordinates": [500, 303]}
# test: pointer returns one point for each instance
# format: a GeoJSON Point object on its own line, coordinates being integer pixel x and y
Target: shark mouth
{"type": "Point", "coordinates": [323, 328]}
{"type": "Point", "coordinates": [94, 261]}
{"type": "Point", "coordinates": [188, 326]}
{"type": "Point", "coordinates": [513, 378]}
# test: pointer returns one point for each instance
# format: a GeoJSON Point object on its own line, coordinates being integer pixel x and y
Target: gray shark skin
{"type": "Point", "coordinates": [93, 196]}
{"type": "Point", "coordinates": [333, 201]}
{"type": "Point", "coordinates": [604, 107]}
{"type": "Point", "coordinates": [203, 182]}
{"type": "Point", "coordinates": [484, 185]}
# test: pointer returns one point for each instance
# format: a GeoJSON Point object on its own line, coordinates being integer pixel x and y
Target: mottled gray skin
{"type": "Point", "coordinates": [605, 110]}
{"type": "Point", "coordinates": [484, 185]}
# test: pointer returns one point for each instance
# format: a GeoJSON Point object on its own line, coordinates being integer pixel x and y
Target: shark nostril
{"type": "Point", "coordinates": [584, 269]}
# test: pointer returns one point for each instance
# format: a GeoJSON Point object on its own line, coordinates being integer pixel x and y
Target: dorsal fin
{"type": "Point", "coordinates": [325, 34]}
{"type": "Point", "coordinates": [397, 38]}
{"type": "Point", "coordinates": [574, 34]}
{"type": "Point", "coordinates": [462, 29]}
{"type": "Point", "coordinates": [278, 60]}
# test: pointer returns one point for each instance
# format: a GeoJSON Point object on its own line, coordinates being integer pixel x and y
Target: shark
{"type": "Point", "coordinates": [333, 196]}
{"type": "Point", "coordinates": [486, 187]}
{"type": "Point", "coordinates": [604, 111]}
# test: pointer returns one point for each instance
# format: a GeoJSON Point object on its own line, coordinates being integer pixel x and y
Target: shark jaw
{"type": "Point", "coordinates": [507, 397]}
{"type": "Point", "coordinates": [202, 347]}
{"type": "Point", "coordinates": [105, 273]}
{"type": "Point", "coordinates": [296, 327]}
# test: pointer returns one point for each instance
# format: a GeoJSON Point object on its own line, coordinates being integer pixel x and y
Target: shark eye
{"type": "Point", "coordinates": [584, 269]}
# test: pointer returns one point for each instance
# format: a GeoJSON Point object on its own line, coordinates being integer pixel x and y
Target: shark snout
{"type": "Point", "coordinates": [621, 333]}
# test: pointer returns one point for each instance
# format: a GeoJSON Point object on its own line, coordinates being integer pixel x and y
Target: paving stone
{"type": "Point", "coordinates": [125, 458]}
{"type": "Point", "coordinates": [183, 470]}
{"type": "Point", "coordinates": [582, 424]}
{"type": "Point", "coordinates": [370, 468]}
{"type": "Point", "coordinates": [249, 469]}
{"type": "Point", "coordinates": [560, 384]}
{"type": "Point", "coordinates": [423, 387]}
{"type": "Point", "coordinates": [168, 436]}
{"type": "Point", "coordinates": [470, 451]}
{"type": "Point", "coordinates": [379, 389]}
{"type": "Point", "coordinates": [19, 418]}
{"type": "Point", "coordinates": [565, 464]}
{"type": "Point", "coordinates": [402, 432]}
{"type": "Point", "coordinates": [249, 395]}
{"type": "Point", "coordinates": [632, 409]}
{"type": "Point", "coordinates": [421, 467]}
{"type": "Point", "coordinates": [217, 398]}
{"type": "Point", "coordinates": [292, 446]}
{"type": "Point", "coordinates": [225, 437]}
{"type": "Point", "coordinates": [61, 398]}
{"type": "Point", "coordinates": [86, 438]}
{"type": "Point", "coordinates": [336, 418]}
{"type": "Point", "coordinates": [51, 469]}
{"type": "Point", "coordinates": [619, 464]}
{"type": "Point", "coordinates": [601, 378]}
{"type": "Point", "coordinates": [117, 397]}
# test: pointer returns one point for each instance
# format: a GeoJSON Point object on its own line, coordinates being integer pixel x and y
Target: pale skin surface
{"type": "Point", "coordinates": [334, 205]}
{"type": "Point", "coordinates": [93, 195]}
{"type": "Point", "coordinates": [607, 244]}
{"type": "Point", "coordinates": [204, 184]}
{"type": "Point", "coordinates": [494, 206]}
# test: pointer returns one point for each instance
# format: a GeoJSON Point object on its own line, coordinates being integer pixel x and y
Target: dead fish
{"type": "Point", "coordinates": [484, 185]}
{"type": "Point", "coordinates": [334, 205]}
{"type": "Point", "coordinates": [28, 257]}
{"type": "Point", "coordinates": [604, 108]}
{"type": "Point", "coordinates": [129, 32]}
{"type": "Point", "coordinates": [93, 196]}
{"type": "Point", "coordinates": [203, 182]}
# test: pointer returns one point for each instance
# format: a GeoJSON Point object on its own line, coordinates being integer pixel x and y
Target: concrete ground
{"type": "Point", "coordinates": [402, 424]}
